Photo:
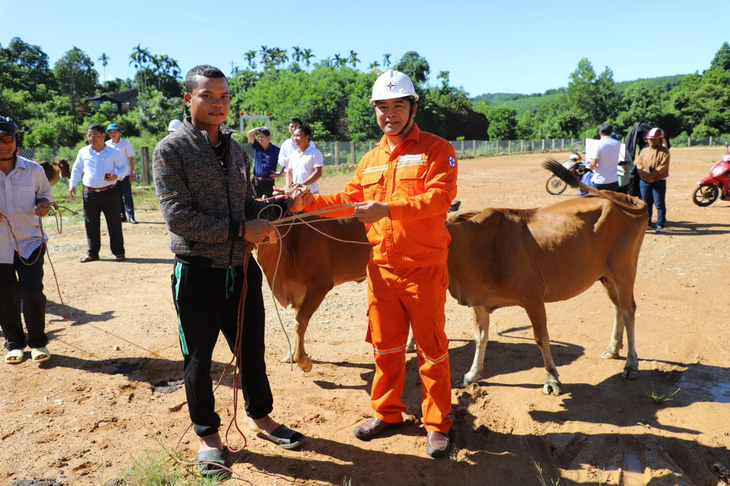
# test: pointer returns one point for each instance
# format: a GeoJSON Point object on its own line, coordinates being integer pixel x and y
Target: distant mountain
{"type": "Point", "coordinates": [523, 102]}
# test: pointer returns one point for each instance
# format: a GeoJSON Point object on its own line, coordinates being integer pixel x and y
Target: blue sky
{"type": "Point", "coordinates": [487, 46]}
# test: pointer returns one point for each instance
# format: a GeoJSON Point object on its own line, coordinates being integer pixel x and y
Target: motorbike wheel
{"type": "Point", "coordinates": [555, 185]}
{"type": "Point", "coordinates": [705, 195]}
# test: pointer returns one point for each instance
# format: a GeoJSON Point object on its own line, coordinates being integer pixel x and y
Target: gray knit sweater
{"type": "Point", "coordinates": [203, 200]}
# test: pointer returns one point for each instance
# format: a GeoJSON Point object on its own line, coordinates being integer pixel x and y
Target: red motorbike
{"type": "Point", "coordinates": [716, 185]}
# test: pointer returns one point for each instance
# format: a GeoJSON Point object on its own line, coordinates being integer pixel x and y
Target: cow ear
{"type": "Point", "coordinates": [462, 216]}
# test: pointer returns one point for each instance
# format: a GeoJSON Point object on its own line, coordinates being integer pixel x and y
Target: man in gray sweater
{"type": "Point", "coordinates": [202, 179]}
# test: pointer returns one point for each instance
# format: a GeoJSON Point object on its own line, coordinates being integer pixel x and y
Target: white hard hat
{"type": "Point", "coordinates": [391, 85]}
{"type": "Point", "coordinates": [174, 125]}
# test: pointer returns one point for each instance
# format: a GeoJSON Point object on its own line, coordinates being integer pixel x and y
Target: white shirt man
{"type": "Point", "coordinates": [305, 163]}
{"type": "Point", "coordinates": [288, 147]}
{"type": "Point", "coordinates": [126, 148]}
{"type": "Point", "coordinates": [605, 164]}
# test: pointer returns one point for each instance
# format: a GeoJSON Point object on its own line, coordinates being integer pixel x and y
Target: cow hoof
{"type": "Point", "coordinates": [608, 354]}
{"type": "Point", "coordinates": [630, 373]}
{"type": "Point", "coordinates": [306, 364]}
{"type": "Point", "coordinates": [287, 359]}
{"type": "Point", "coordinates": [552, 387]}
{"type": "Point", "coordinates": [465, 381]}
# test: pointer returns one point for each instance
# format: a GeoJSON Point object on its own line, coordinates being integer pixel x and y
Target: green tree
{"type": "Point", "coordinates": [502, 123]}
{"type": "Point", "coordinates": [593, 98]}
{"type": "Point", "coordinates": [352, 59]}
{"type": "Point", "coordinates": [362, 125]}
{"type": "Point", "coordinates": [251, 59]}
{"type": "Point", "coordinates": [722, 58]}
{"type": "Point", "coordinates": [104, 62]}
{"type": "Point", "coordinates": [140, 58]}
{"type": "Point", "coordinates": [415, 66]}
{"type": "Point", "coordinates": [25, 67]}
{"type": "Point", "coordinates": [307, 57]}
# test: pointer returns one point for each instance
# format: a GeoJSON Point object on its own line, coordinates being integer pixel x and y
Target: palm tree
{"type": "Point", "coordinates": [278, 56]}
{"type": "Point", "coordinates": [352, 58]}
{"type": "Point", "coordinates": [307, 57]}
{"type": "Point", "coordinates": [297, 54]}
{"type": "Point", "coordinates": [104, 62]}
{"type": "Point", "coordinates": [337, 60]}
{"type": "Point", "coordinates": [265, 55]}
{"type": "Point", "coordinates": [386, 60]}
{"type": "Point", "coordinates": [140, 56]}
{"type": "Point", "coordinates": [373, 65]}
{"type": "Point", "coordinates": [251, 59]}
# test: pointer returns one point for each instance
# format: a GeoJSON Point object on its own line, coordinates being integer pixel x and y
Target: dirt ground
{"type": "Point", "coordinates": [110, 393]}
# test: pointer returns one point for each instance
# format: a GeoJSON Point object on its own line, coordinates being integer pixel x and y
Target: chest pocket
{"type": "Point", "coordinates": [24, 196]}
{"type": "Point", "coordinates": [410, 179]}
{"type": "Point", "coordinates": [372, 185]}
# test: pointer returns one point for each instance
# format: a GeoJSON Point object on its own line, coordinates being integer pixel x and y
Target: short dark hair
{"type": "Point", "coordinates": [204, 70]}
{"type": "Point", "coordinates": [606, 129]}
{"type": "Point", "coordinates": [264, 131]}
{"type": "Point", "coordinates": [96, 127]}
{"type": "Point", "coordinates": [306, 130]}
{"type": "Point", "coordinates": [296, 120]}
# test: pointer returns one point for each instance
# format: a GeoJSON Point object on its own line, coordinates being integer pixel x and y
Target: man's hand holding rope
{"type": "Point", "coordinates": [299, 194]}
{"type": "Point", "coordinates": [371, 211]}
{"type": "Point", "coordinates": [42, 206]}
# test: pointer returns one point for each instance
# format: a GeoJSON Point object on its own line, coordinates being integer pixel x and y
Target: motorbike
{"type": "Point", "coordinates": [575, 165]}
{"type": "Point", "coordinates": [717, 184]}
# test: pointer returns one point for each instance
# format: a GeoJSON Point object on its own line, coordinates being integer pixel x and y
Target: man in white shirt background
{"type": "Point", "coordinates": [605, 164]}
{"type": "Point", "coordinates": [306, 162]}
{"type": "Point", "coordinates": [100, 166]}
{"type": "Point", "coordinates": [124, 184]}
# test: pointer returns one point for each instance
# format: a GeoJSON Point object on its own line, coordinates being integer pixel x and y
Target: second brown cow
{"type": "Point", "coordinates": [497, 258]}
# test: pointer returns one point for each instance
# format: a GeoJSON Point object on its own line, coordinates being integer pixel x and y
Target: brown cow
{"type": "Point", "coordinates": [497, 258]}
{"type": "Point", "coordinates": [527, 257]}
{"type": "Point", "coordinates": [310, 264]}
{"type": "Point", "coordinates": [56, 170]}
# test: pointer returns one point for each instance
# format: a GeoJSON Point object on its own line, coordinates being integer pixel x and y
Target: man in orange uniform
{"type": "Point", "coordinates": [402, 190]}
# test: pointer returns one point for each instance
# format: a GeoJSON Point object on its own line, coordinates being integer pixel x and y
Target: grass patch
{"type": "Point", "coordinates": [541, 478]}
{"type": "Point", "coordinates": [161, 468]}
{"type": "Point", "coordinates": [660, 398]}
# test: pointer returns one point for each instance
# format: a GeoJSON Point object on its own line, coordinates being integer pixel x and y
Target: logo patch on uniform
{"type": "Point", "coordinates": [452, 161]}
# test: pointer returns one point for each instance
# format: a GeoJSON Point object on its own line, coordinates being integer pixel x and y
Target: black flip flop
{"type": "Point", "coordinates": [283, 436]}
{"type": "Point", "coordinates": [211, 463]}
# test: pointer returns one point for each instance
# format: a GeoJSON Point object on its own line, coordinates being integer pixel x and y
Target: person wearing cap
{"type": "Point", "coordinates": [402, 190]}
{"type": "Point", "coordinates": [652, 165]}
{"type": "Point", "coordinates": [306, 162]}
{"type": "Point", "coordinates": [174, 125]}
{"type": "Point", "coordinates": [605, 164]}
{"type": "Point", "coordinates": [266, 157]}
{"type": "Point", "coordinates": [25, 197]}
{"type": "Point", "coordinates": [100, 166]}
{"type": "Point", "coordinates": [124, 185]}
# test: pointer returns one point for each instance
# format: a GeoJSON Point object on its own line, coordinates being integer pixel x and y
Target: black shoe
{"type": "Point", "coordinates": [124, 219]}
{"type": "Point", "coordinates": [120, 258]}
{"type": "Point", "coordinates": [89, 258]}
{"type": "Point", "coordinates": [132, 220]}
{"type": "Point", "coordinates": [373, 427]}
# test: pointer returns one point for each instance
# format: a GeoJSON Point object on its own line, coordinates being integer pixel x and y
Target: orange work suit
{"type": "Point", "coordinates": [407, 274]}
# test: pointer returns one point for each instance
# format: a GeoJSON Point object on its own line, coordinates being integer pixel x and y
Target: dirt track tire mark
{"type": "Point", "coordinates": [697, 469]}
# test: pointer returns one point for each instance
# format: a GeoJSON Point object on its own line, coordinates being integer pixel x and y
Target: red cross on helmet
{"type": "Point", "coordinates": [393, 84]}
